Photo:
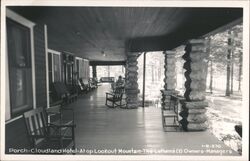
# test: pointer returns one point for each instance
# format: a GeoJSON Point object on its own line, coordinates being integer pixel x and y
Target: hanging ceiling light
{"type": "Point", "coordinates": [103, 54]}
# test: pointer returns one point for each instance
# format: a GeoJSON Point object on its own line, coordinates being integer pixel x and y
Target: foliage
{"type": "Point", "coordinates": [219, 48]}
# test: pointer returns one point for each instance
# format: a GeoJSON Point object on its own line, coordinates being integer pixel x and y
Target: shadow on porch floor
{"type": "Point", "coordinates": [103, 130]}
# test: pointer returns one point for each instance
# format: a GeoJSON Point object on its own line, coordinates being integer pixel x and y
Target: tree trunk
{"type": "Point", "coordinates": [229, 42]}
{"type": "Point", "coordinates": [211, 66]}
{"type": "Point", "coordinates": [232, 65]}
{"type": "Point", "coordinates": [159, 70]}
{"type": "Point", "coordinates": [152, 74]}
{"type": "Point", "coordinates": [144, 78]}
{"type": "Point", "coordinates": [232, 75]}
{"type": "Point", "coordinates": [183, 78]}
{"type": "Point", "coordinates": [240, 72]}
{"type": "Point", "coordinates": [108, 71]}
{"type": "Point", "coordinates": [94, 75]}
{"type": "Point", "coordinates": [211, 77]}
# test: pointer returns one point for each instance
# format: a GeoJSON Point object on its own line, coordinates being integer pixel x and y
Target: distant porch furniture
{"type": "Point", "coordinates": [62, 92]}
{"type": "Point", "coordinates": [92, 83]}
{"type": "Point", "coordinates": [72, 89]}
{"type": "Point", "coordinates": [170, 114]}
{"type": "Point", "coordinates": [48, 136]}
{"type": "Point", "coordinates": [83, 85]}
{"type": "Point", "coordinates": [107, 79]}
{"type": "Point", "coordinates": [114, 99]}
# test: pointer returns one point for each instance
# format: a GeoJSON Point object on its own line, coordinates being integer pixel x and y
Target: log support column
{"type": "Point", "coordinates": [131, 86]}
{"type": "Point", "coordinates": [194, 106]}
{"type": "Point", "coordinates": [170, 77]}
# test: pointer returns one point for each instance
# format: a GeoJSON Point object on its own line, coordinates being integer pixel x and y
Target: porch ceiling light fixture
{"type": "Point", "coordinates": [103, 54]}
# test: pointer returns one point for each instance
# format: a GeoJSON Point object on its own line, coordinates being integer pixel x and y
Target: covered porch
{"type": "Point", "coordinates": [107, 131]}
{"type": "Point", "coordinates": [68, 41]}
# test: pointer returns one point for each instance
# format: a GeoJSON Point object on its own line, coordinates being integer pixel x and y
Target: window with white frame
{"type": "Point", "coordinates": [82, 66]}
{"type": "Point", "coordinates": [19, 53]}
{"type": "Point", "coordinates": [54, 66]}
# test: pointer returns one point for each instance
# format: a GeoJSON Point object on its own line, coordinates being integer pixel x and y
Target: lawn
{"type": "Point", "coordinates": [223, 114]}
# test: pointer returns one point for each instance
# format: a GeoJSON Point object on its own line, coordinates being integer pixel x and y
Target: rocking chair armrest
{"type": "Point", "coordinates": [47, 136]}
{"type": "Point", "coordinates": [109, 94]}
{"type": "Point", "coordinates": [58, 109]}
{"type": "Point", "coordinates": [37, 136]}
{"type": "Point", "coordinates": [61, 126]}
{"type": "Point", "coordinates": [67, 109]}
{"type": "Point", "coordinates": [53, 109]}
{"type": "Point", "coordinates": [71, 110]}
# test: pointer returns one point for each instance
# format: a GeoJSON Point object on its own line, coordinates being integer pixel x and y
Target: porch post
{"type": "Point", "coordinates": [170, 77]}
{"type": "Point", "coordinates": [194, 106]}
{"type": "Point", "coordinates": [94, 71]}
{"type": "Point", "coordinates": [131, 86]}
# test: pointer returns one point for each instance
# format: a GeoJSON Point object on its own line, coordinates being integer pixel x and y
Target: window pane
{"type": "Point", "coordinates": [57, 61]}
{"type": "Point", "coordinates": [50, 67]}
{"type": "Point", "coordinates": [19, 57]}
{"type": "Point", "coordinates": [110, 71]}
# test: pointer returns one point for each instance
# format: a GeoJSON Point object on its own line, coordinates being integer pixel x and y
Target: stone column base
{"type": "Point", "coordinates": [132, 98]}
{"type": "Point", "coordinates": [193, 115]}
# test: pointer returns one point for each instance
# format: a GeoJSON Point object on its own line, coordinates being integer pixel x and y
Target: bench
{"type": "Point", "coordinates": [107, 79]}
{"type": "Point", "coordinates": [170, 114]}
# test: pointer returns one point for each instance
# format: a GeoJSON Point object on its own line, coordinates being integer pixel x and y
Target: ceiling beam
{"type": "Point", "coordinates": [159, 43]}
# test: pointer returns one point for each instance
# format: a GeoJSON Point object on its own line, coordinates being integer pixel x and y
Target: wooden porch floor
{"type": "Point", "coordinates": [102, 128]}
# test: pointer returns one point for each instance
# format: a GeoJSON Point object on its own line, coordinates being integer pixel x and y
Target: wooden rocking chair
{"type": "Point", "coordinates": [62, 92]}
{"type": "Point", "coordinates": [48, 138]}
{"type": "Point", "coordinates": [115, 98]}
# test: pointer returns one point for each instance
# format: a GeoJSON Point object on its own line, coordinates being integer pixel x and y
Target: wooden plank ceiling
{"type": "Point", "coordinates": [92, 32]}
